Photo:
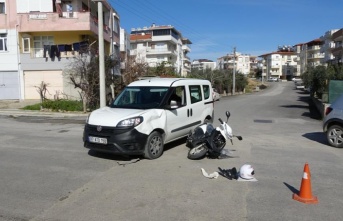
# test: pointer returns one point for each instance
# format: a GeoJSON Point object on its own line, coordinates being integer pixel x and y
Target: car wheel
{"type": "Point", "coordinates": [154, 146]}
{"type": "Point", "coordinates": [335, 136]}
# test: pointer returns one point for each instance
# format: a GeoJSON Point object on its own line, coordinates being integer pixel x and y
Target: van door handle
{"type": "Point", "coordinates": [187, 112]}
{"type": "Point", "coordinates": [191, 112]}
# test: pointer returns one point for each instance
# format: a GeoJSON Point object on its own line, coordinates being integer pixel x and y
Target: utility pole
{"type": "Point", "coordinates": [234, 72]}
{"type": "Point", "coordinates": [101, 54]}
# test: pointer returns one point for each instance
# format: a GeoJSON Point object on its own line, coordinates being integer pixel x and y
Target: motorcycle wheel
{"type": "Point", "coordinates": [197, 152]}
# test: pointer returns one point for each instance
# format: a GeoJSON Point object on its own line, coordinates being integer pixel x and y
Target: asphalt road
{"type": "Point", "coordinates": [48, 175]}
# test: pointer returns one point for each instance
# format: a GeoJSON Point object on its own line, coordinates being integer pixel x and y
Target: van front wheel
{"type": "Point", "coordinates": [154, 146]}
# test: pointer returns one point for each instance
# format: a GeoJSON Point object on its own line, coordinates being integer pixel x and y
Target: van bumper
{"type": "Point", "coordinates": [127, 141]}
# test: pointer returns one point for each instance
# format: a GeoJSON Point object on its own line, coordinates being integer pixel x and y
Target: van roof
{"type": "Point", "coordinates": [167, 82]}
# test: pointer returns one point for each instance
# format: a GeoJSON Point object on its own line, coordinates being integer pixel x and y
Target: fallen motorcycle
{"type": "Point", "coordinates": [207, 140]}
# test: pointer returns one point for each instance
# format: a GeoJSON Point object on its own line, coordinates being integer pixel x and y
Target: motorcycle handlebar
{"type": "Point", "coordinates": [221, 121]}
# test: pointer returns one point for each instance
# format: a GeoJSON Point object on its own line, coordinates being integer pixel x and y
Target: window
{"type": "Point", "coordinates": [179, 95]}
{"type": "Point", "coordinates": [116, 25]}
{"type": "Point", "coordinates": [196, 95]}
{"type": "Point", "coordinates": [39, 42]}
{"type": "Point", "coordinates": [2, 8]}
{"type": "Point", "coordinates": [161, 32]}
{"type": "Point", "coordinates": [206, 89]}
{"type": "Point", "coordinates": [26, 45]}
{"type": "Point", "coordinates": [3, 42]}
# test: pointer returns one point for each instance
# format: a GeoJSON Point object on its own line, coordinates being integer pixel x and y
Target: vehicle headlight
{"type": "Point", "coordinates": [131, 122]}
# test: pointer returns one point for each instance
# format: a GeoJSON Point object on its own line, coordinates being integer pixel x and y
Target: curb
{"type": "Point", "coordinates": [18, 112]}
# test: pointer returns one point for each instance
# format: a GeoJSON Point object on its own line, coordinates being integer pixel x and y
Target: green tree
{"type": "Point", "coordinates": [164, 68]}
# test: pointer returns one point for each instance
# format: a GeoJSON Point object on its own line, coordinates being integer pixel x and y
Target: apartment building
{"type": "Point", "coordinates": [203, 64]}
{"type": "Point", "coordinates": [337, 50]}
{"type": "Point", "coordinates": [39, 39]}
{"type": "Point", "coordinates": [161, 43]}
{"type": "Point", "coordinates": [314, 56]}
{"type": "Point", "coordinates": [281, 64]}
{"type": "Point", "coordinates": [327, 45]}
{"type": "Point", "coordinates": [243, 63]}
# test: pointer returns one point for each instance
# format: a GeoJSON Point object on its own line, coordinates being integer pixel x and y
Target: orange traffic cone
{"type": "Point", "coordinates": [305, 193]}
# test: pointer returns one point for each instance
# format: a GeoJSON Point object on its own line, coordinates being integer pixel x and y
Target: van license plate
{"type": "Point", "coordinates": [97, 140]}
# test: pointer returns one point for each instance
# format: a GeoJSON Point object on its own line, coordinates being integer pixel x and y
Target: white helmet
{"type": "Point", "coordinates": [246, 173]}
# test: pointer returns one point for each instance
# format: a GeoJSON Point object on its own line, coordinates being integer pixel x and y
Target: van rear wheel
{"type": "Point", "coordinates": [154, 146]}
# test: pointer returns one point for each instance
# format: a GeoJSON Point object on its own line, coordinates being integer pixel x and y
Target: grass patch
{"type": "Point", "coordinates": [253, 84]}
{"type": "Point", "coordinates": [57, 105]}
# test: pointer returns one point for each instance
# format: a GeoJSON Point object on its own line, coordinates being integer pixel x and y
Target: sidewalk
{"type": "Point", "coordinates": [14, 108]}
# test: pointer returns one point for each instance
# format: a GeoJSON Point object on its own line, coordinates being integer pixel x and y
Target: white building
{"type": "Point", "coordinates": [281, 64]}
{"type": "Point", "coordinates": [203, 64]}
{"type": "Point", "coordinates": [327, 45]}
{"type": "Point", "coordinates": [158, 44]}
{"type": "Point", "coordinates": [243, 63]}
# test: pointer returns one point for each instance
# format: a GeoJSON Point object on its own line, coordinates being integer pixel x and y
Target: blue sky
{"type": "Point", "coordinates": [254, 27]}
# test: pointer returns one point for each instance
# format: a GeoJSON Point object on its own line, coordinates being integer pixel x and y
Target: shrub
{"type": "Point", "coordinates": [32, 107]}
{"type": "Point", "coordinates": [57, 105]}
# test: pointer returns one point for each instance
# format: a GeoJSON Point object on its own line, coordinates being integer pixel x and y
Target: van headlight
{"type": "Point", "coordinates": [131, 122]}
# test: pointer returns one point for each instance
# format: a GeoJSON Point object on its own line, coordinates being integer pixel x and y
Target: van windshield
{"type": "Point", "coordinates": [140, 97]}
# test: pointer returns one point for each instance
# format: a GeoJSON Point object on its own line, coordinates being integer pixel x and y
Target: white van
{"type": "Point", "coordinates": [148, 114]}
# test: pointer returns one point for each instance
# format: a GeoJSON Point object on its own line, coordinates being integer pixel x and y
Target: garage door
{"type": "Point", "coordinates": [9, 86]}
{"type": "Point", "coordinates": [33, 79]}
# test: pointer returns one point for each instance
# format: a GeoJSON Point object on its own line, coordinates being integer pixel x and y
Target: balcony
{"type": "Point", "coordinates": [337, 51]}
{"type": "Point", "coordinates": [160, 51]}
{"type": "Point", "coordinates": [52, 22]}
{"type": "Point", "coordinates": [186, 48]}
{"type": "Point", "coordinates": [39, 53]}
{"type": "Point", "coordinates": [187, 59]}
{"type": "Point", "coordinates": [164, 38]}
{"type": "Point", "coordinates": [315, 56]}
{"type": "Point", "coordinates": [315, 47]}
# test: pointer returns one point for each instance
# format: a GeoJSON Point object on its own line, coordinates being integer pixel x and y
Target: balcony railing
{"type": "Point", "coordinates": [66, 21]}
{"type": "Point", "coordinates": [160, 51]}
{"type": "Point", "coordinates": [314, 56]}
{"type": "Point", "coordinates": [70, 14]}
{"type": "Point", "coordinates": [316, 47]}
{"type": "Point", "coordinates": [39, 53]}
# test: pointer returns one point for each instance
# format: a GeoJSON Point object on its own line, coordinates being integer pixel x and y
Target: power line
{"type": "Point", "coordinates": [152, 9]}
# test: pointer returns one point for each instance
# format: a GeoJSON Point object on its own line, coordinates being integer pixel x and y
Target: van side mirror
{"type": "Point", "coordinates": [173, 105]}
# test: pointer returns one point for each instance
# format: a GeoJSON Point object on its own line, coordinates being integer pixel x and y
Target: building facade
{"type": "Point", "coordinates": [203, 64]}
{"type": "Point", "coordinates": [281, 64]}
{"type": "Point", "coordinates": [337, 50]}
{"type": "Point", "coordinates": [327, 45]}
{"type": "Point", "coordinates": [41, 38]}
{"type": "Point", "coordinates": [243, 63]}
{"type": "Point", "coordinates": [161, 44]}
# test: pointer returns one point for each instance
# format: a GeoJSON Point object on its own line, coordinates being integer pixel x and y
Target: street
{"type": "Point", "coordinates": [47, 174]}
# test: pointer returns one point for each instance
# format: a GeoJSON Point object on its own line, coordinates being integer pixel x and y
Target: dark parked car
{"type": "Point", "coordinates": [333, 123]}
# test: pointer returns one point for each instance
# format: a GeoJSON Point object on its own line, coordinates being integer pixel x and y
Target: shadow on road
{"type": "Point", "coordinates": [316, 136]}
{"type": "Point", "coordinates": [291, 188]}
{"type": "Point", "coordinates": [126, 158]}
{"type": "Point", "coordinates": [313, 112]}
